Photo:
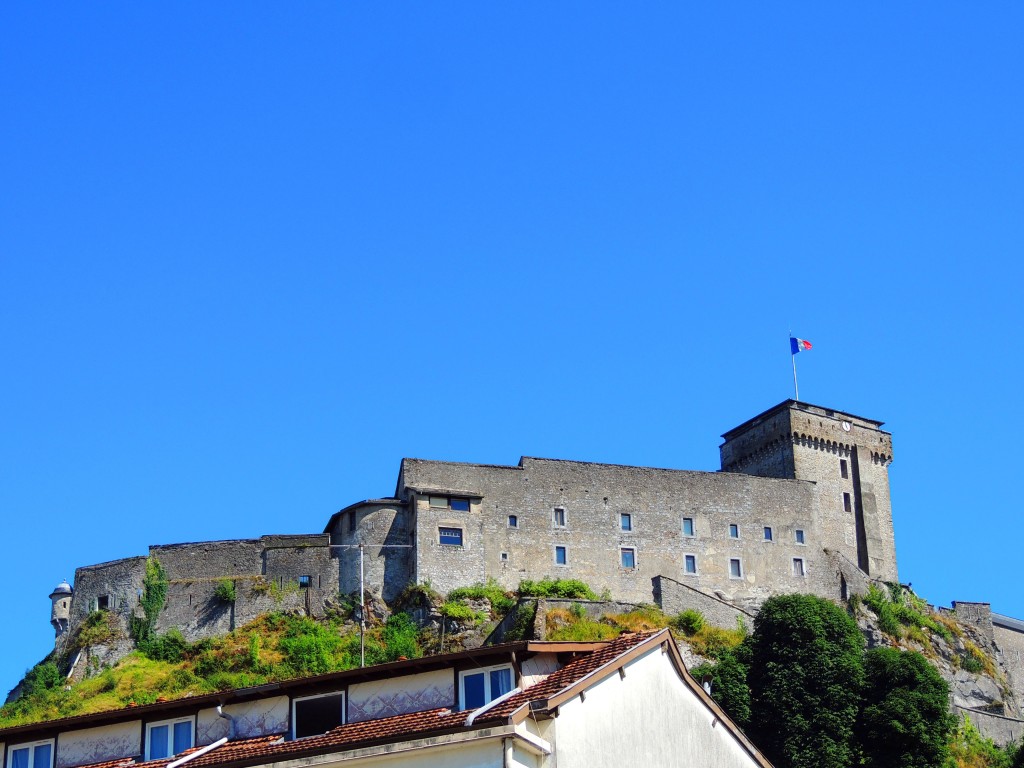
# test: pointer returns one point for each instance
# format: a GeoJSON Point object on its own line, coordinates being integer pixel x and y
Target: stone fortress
{"type": "Point", "coordinates": [801, 504]}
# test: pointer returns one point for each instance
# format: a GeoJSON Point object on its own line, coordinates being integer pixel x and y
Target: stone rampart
{"type": "Point", "coordinates": [674, 597]}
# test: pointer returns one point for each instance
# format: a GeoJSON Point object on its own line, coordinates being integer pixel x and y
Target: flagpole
{"type": "Point", "coordinates": [796, 388]}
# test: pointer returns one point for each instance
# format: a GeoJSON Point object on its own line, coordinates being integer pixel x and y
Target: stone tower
{"type": "Point", "coordinates": [846, 456]}
{"type": "Point", "coordinates": [60, 610]}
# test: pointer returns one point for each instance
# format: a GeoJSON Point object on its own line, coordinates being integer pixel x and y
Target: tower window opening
{"type": "Point", "coordinates": [846, 502]}
{"type": "Point", "coordinates": [844, 469]}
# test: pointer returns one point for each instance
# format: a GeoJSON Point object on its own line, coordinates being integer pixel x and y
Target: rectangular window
{"type": "Point", "coordinates": [513, 521]}
{"type": "Point", "coordinates": [768, 533]}
{"type": "Point", "coordinates": [558, 516]}
{"type": "Point", "coordinates": [735, 568]}
{"type": "Point", "coordinates": [482, 686]}
{"type": "Point", "coordinates": [844, 470]}
{"type": "Point", "coordinates": [627, 557]}
{"type": "Point", "coordinates": [846, 502]}
{"type": "Point", "coordinates": [103, 603]}
{"type": "Point", "coordinates": [168, 738]}
{"type": "Point", "coordinates": [38, 754]}
{"type": "Point", "coordinates": [316, 715]}
{"type": "Point", "coordinates": [687, 526]}
{"type": "Point", "coordinates": [561, 557]}
{"type": "Point", "coordinates": [304, 582]}
{"type": "Point", "coordinates": [799, 536]}
{"type": "Point", "coordinates": [450, 536]}
{"type": "Point", "coordinates": [439, 502]}
{"type": "Point", "coordinates": [734, 531]}
{"type": "Point", "coordinates": [690, 564]}
{"type": "Point", "coordinates": [798, 566]}
{"type": "Point", "coordinates": [458, 505]}
{"type": "Point", "coordinates": [351, 521]}
{"type": "Point", "coordinates": [626, 521]}
{"type": "Point", "coordinates": [504, 557]}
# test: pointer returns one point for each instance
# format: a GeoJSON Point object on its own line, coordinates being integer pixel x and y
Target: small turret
{"type": "Point", "coordinates": [60, 611]}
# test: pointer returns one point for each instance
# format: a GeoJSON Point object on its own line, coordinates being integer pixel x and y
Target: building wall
{"type": "Point", "coordinates": [593, 496]}
{"type": "Point", "coordinates": [250, 719]}
{"type": "Point", "coordinates": [387, 569]}
{"type": "Point", "coordinates": [1011, 645]}
{"type": "Point", "coordinates": [96, 745]}
{"type": "Point", "coordinates": [410, 693]}
{"type": "Point", "coordinates": [605, 727]}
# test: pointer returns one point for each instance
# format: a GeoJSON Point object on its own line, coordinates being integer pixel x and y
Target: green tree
{"type": "Point", "coordinates": [905, 722]}
{"type": "Point", "coordinates": [806, 674]}
{"type": "Point", "coordinates": [729, 681]}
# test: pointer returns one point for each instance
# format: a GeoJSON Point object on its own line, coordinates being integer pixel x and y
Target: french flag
{"type": "Point", "coordinates": [798, 345]}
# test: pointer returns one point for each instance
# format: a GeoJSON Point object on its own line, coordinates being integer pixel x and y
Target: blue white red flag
{"type": "Point", "coordinates": [798, 345]}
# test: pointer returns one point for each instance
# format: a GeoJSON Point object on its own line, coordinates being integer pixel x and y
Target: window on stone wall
{"type": "Point", "coordinates": [454, 503]}
{"type": "Point", "coordinates": [798, 567]}
{"type": "Point", "coordinates": [844, 470]}
{"type": "Point", "coordinates": [561, 556]}
{"type": "Point", "coordinates": [504, 557]}
{"type": "Point", "coordinates": [799, 535]}
{"type": "Point", "coordinates": [768, 536]}
{"type": "Point", "coordinates": [351, 521]}
{"type": "Point", "coordinates": [846, 502]}
{"type": "Point", "coordinates": [103, 603]}
{"type": "Point", "coordinates": [558, 517]}
{"type": "Point", "coordinates": [37, 754]}
{"type": "Point", "coordinates": [513, 521]}
{"type": "Point", "coordinates": [689, 563]}
{"type": "Point", "coordinates": [734, 531]}
{"type": "Point", "coordinates": [626, 521]}
{"type": "Point", "coordinates": [627, 556]}
{"type": "Point", "coordinates": [735, 568]}
{"type": "Point", "coordinates": [688, 526]}
{"type": "Point", "coordinates": [450, 536]}
{"type": "Point", "coordinates": [304, 582]}
{"type": "Point", "coordinates": [439, 502]}
{"type": "Point", "coordinates": [458, 505]}
{"type": "Point", "coordinates": [316, 715]}
{"type": "Point", "coordinates": [168, 737]}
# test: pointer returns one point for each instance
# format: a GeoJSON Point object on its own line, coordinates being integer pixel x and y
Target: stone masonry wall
{"type": "Point", "coordinates": [1010, 642]}
{"type": "Point", "coordinates": [387, 569]}
{"type": "Point", "coordinates": [593, 496]}
{"type": "Point", "coordinates": [674, 597]}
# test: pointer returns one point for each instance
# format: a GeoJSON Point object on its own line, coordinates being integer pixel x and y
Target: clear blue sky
{"type": "Point", "coordinates": [251, 256]}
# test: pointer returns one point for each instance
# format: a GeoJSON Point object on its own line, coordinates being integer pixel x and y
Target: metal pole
{"type": "Point", "coordinates": [362, 612]}
{"type": "Point", "coordinates": [796, 389]}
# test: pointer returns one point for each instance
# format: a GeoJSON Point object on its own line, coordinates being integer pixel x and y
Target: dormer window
{"type": "Point", "coordinates": [316, 715]}
{"type": "Point", "coordinates": [481, 686]}
{"type": "Point", "coordinates": [38, 754]}
{"type": "Point", "coordinates": [168, 738]}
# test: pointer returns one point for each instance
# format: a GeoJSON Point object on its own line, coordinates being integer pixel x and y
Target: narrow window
{"type": "Point", "coordinates": [304, 582]}
{"type": "Point", "coordinates": [352, 521]}
{"type": "Point", "coordinates": [315, 715]}
{"type": "Point", "coordinates": [734, 531]}
{"type": "Point", "coordinates": [844, 470]}
{"type": "Point", "coordinates": [504, 557]}
{"type": "Point", "coordinates": [846, 502]}
{"type": "Point", "coordinates": [513, 521]}
{"type": "Point", "coordinates": [735, 568]}
{"type": "Point", "coordinates": [481, 686]}
{"type": "Point", "coordinates": [459, 505]}
{"type": "Point", "coordinates": [168, 738]}
{"type": "Point", "coordinates": [687, 526]}
{"type": "Point", "coordinates": [626, 521]}
{"type": "Point", "coordinates": [450, 536]}
{"type": "Point", "coordinates": [103, 603]}
{"type": "Point", "coordinates": [38, 754]}
{"type": "Point", "coordinates": [439, 502]}
{"type": "Point", "coordinates": [560, 556]}
{"type": "Point", "coordinates": [798, 566]}
{"type": "Point", "coordinates": [690, 564]}
{"type": "Point", "coordinates": [768, 533]}
{"type": "Point", "coordinates": [627, 557]}
{"type": "Point", "coordinates": [799, 534]}
{"type": "Point", "coordinates": [559, 517]}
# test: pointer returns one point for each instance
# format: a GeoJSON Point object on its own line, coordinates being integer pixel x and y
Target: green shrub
{"type": "Point", "coordinates": [564, 588]}
{"type": "Point", "coordinates": [460, 612]}
{"type": "Point", "coordinates": [170, 647]}
{"type": "Point", "coordinates": [225, 591]}
{"type": "Point", "coordinates": [578, 610]}
{"type": "Point", "coordinates": [501, 601]}
{"type": "Point", "coordinates": [689, 622]}
{"type": "Point", "coordinates": [42, 677]}
{"type": "Point", "coordinates": [99, 628]}
{"type": "Point", "coordinates": [401, 637]}
{"type": "Point", "coordinates": [584, 630]}
{"type": "Point", "coordinates": [522, 624]}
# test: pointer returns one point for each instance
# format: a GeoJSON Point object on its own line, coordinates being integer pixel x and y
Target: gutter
{"type": "Point", "coordinates": [197, 753]}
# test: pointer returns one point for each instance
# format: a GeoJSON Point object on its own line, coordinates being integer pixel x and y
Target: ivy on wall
{"type": "Point", "coordinates": [154, 595]}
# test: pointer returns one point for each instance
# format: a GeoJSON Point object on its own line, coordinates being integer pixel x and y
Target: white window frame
{"type": "Point", "coordinates": [736, 527]}
{"type": "Point", "coordinates": [294, 723]}
{"type": "Point", "coordinates": [769, 534]}
{"type": "Point", "coordinates": [799, 537]}
{"type": "Point", "coordinates": [559, 512]}
{"type": "Point", "coordinates": [695, 570]}
{"type": "Point", "coordinates": [486, 672]}
{"type": "Point", "coordinates": [626, 517]}
{"type": "Point", "coordinates": [191, 720]}
{"type": "Point", "coordinates": [462, 536]}
{"type": "Point", "coordinates": [31, 747]}
{"type": "Point", "coordinates": [803, 568]}
{"type": "Point", "coordinates": [739, 562]}
{"type": "Point", "coordinates": [513, 521]}
{"type": "Point", "coordinates": [693, 528]}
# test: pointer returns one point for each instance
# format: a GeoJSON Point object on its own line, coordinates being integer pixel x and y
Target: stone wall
{"type": "Point", "coordinates": [593, 497]}
{"type": "Point", "coordinates": [387, 569]}
{"type": "Point", "coordinates": [1002, 730]}
{"type": "Point", "coordinates": [1009, 639]}
{"type": "Point", "coordinates": [674, 597]}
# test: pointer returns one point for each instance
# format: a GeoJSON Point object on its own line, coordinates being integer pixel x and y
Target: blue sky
{"type": "Point", "coordinates": [252, 256]}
